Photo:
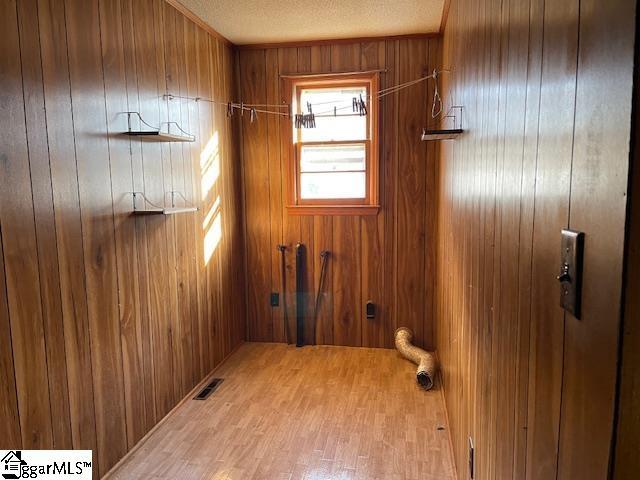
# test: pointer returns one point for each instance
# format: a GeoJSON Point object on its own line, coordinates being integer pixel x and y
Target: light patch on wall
{"type": "Point", "coordinates": [210, 165]}
{"type": "Point", "coordinates": [212, 227]}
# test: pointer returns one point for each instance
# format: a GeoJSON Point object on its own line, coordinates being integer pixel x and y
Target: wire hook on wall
{"type": "Point", "coordinates": [436, 106]}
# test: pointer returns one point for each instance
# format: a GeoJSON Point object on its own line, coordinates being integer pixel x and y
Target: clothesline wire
{"type": "Point", "coordinates": [264, 107]}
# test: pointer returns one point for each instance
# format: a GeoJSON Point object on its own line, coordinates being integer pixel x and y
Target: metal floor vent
{"type": "Point", "coordinates": [209, 389]}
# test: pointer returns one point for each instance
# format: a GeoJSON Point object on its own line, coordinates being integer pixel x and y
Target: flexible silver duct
{"type": "Point", "coordinates": [426, 361]}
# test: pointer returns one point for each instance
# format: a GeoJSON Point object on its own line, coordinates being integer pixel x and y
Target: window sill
{"type": "Point", "coordinates": [333, 209]}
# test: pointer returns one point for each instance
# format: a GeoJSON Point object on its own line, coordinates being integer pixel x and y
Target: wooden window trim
{"type": "Point", "coordinates": [366, 206]}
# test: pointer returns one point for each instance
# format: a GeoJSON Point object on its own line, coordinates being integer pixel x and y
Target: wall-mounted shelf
{"type": "Point", "coordinates": [149, 208]}
{"type": "Point", "coordinates": [441, 134]}
{"type": "Point", "coordinates": [455, 113]}
{"type": "Point", "coordinates": [165, 211]}
{"type": "Point", "coordinates": [160, 136]}
{"type": "Point", "coordinates": [156, 134]}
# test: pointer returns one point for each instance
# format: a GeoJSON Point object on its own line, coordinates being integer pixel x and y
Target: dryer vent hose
{"type": "Point", "coordinates": [426, 361]}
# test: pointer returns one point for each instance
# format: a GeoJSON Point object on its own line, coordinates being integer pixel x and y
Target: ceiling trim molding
{"type": "Point", "coordinates": [445, 16]}
{"type": "Point", "coordinates": [198, 21]}
{"type": "Point", "coordinates": [333, 41]}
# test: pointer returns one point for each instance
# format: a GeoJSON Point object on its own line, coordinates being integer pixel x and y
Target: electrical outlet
{"type": "Point", "coordinates": [371, 309]}
{"type": "Point", "coordinates": [471, 459]}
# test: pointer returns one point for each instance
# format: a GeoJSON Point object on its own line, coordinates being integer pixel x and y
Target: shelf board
{"type": "Point", "coordinates": [165, 211]}
{"type": "Point", "coordinates": [159, 136]}
{"type": "Point", "coordinates": [441, 134]}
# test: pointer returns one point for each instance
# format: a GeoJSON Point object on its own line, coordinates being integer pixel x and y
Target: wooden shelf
{"type": "Point", "coordinates": [160, 136]}
{"type": "Point", "coordinates": [441, 134]}
{"type": "Point", "coordinates": [165, 211]}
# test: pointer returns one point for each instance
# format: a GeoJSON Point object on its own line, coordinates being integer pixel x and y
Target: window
{"type": "Point", "coordinates": [334, 165]}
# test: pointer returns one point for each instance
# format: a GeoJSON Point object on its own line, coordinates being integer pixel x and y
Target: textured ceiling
{"type": "Point", "coordinates": [268, 21]}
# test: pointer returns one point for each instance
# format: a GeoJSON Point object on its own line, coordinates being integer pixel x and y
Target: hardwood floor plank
{"type": "Point", "coordinates": [351, 412]}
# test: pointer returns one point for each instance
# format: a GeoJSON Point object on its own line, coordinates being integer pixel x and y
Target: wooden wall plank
{"type": "Point", "coordinates": [257, 203]}
{"type": "Point", "coordinates": [275, 189]}
{"type": "Point", "coordinates": [168, 151]}
{"type": "Point", "coordinates": [433, 58]}
{"type": "Point", "coordinates": [116, 101]}
{"type": "Point", "coordinates": [390, 118]}
{"type": "Point", "coordinates": [555, 143]}
{"type": "Point", "coordinates": [9, 416]}
{"type": "Point", "coordinates": [44, 220]}
{"type": "Point", "coordinates": [20, 247]}
{"type": "Point", "coordinates": [372, 229]}
{"type": "Point", "coordinates": [347, 302]}
{"type": "Point", "coordinates": [530, 151]}
{"type": "Point", "coordinates": [237, 245]}
{"type": "Point", "coordinates": [320, 58]}
{"type": "Point", "coordinates": [156, 240]}
{"type": "Point", "coordinates": [174, 179]}
{"type": "Point", "coordinates": [195, 149]}
{"type": "Point", "coordinates": [307, 233]}
{"type": "Point", "coordinates": [94, 177]}
{"type": "Point", "coordinates": [510, 211]}
{"type": "Point", "coordinates": [62, 159]}
{"type": "Point", "coordinates": [207, 152]}
{"type": "Point", "coordinates": [626, 460]}
{"type": "Point", "coordinates": [213, 201]}
{"type": "Point", "coordinates": [410, 218]}
{"type": "Point", "coordinates": [137, 180]}
{"type": "Point", "coordinates": [291, 225]}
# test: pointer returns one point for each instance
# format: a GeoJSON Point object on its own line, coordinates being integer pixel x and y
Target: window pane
{"type": "Point", "coordinates": [333, 185]}
{"type": "Point", "coordinates": [345, 125]}
{"type": "Point", "coordinates": [332, 158]}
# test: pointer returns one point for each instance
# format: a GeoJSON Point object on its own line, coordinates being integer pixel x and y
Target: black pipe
{"type": "Point", "coordinates": [324, 256]}
{"type": "Point", "coordinates": [283, 273]}
{"type": "Point", "coordinates": [300, 296]}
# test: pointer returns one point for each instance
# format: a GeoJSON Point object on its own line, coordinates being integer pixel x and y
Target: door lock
{"type": "Point", "coordinates": [570, 276]}
{"type": "Point", "coordinates": [564, 274]}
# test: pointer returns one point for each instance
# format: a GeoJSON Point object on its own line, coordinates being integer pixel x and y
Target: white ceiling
{"type": "Point", "coordinates": [270, 21]}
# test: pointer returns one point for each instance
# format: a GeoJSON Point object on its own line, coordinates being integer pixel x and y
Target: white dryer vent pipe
{"type": "Point", "coordinates": [426, 361]}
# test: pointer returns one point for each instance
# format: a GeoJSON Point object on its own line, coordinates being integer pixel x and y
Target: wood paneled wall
{"type": "Point", "coordinates": [627, 460]}
{"type": "Point", "coordinates": [546, 90]}
{"type": "Point", "coordinates": [107, 320]}
{"type": "Point", "coordinates": [388, 259]}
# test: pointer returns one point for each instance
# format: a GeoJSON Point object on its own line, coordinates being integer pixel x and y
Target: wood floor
{"type": "Point", "coordinates": [311, 413]}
